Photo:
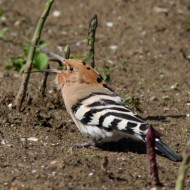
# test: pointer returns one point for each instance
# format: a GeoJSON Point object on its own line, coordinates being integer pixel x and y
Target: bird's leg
{"type": "Point", "coordinates": [90, 144]}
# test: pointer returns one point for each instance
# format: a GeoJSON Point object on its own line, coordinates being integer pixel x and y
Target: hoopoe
{"type": "Point", "coordinates": [97, 110]}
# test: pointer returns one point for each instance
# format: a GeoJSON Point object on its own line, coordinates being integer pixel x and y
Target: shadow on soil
{"type": "Point", "coordinates": [124, 145]}
{"type": "Point", "coordinates": [127, 145]}
{"type": "Point", "coordinates": [164, 118]}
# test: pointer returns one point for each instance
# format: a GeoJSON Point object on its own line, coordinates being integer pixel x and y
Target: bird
{"type": "Point", "coordinates": [97, 110]}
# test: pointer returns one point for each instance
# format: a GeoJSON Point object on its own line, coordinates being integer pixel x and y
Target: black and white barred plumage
{"type": "Point", "coordinates": [105, 118]}
{"type": "Point", "coordinates": [101, 111]}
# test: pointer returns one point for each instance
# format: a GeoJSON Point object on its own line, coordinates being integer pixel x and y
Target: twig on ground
{"type": "Point", "coordinates": [44, 82]}
{"type": "Point", "coordinates": [104, 164]}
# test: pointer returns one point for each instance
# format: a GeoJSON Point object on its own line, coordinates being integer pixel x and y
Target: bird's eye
{"type": "Point", "coordinates": [71, 68]}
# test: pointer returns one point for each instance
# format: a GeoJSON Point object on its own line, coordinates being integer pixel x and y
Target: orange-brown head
{"type": "Point", "coordinates": [78, 72]}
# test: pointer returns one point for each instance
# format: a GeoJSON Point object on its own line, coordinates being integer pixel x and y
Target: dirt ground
{"type": "Point", "coordinates": [146, 46]}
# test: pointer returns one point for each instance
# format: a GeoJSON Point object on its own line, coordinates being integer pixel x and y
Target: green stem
{"type": "Point", "coordinates": [183, 168]}
{"type": "Point", "coordinates": [67, 52]}
{"type": "Point", "coordinates": [25, 77]}
{"type": "Point", "coordinates": [91, 40]}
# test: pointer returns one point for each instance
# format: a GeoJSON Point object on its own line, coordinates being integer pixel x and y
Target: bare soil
{"type": "Point", "coordinates": [146, 46]}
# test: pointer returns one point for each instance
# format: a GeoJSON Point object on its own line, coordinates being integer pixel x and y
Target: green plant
{"type": "Point", "coordinates": [67, 51]}
{"type": "Point", "coordinates": [1, 12]}
{"type": "Point", "coordinates": [34, 42]}
{"type": "Point", "coordinates": [18, 63]}
{"type": "Point", "coordinates": [105, 72]}
{"type": "Point", "coordinates": [40, 61]}
{"type": "Point", "coordinates": [133, 101]}
{"type": "Point", "coordinates": [91, 40]}
{"type": "Point", "coordinates": [3, 32]}
{"type": "Point", "coordinates": [188, 22]}
{"type": "Point", "coordinates": [180, 183]}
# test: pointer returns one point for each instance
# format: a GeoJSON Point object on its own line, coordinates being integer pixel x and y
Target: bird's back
{"type": "Point", "coordinates": [103, 114]}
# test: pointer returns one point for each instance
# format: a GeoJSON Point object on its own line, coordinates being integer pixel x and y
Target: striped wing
{"type": "Point", "coordinates": [107, 111]}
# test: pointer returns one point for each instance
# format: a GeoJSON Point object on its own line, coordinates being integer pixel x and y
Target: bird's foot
{"type": "Point", "coordinates": [89, 144]}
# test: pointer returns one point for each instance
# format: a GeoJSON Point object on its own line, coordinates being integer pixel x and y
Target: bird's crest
{"type": "Point", "coordinates": [86, 73]}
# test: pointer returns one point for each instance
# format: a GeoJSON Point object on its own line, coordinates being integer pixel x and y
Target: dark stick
{"type": "Point", "coordinates": [104, 164]}
{"type": "Point", "coordinates": [44, 82]}
{"type": "Point", "coordinates": [153, 169]}
{"type": "Point", "coordinates": [25, 77]}
{"type": "Point", "coordinates": [91, 40]}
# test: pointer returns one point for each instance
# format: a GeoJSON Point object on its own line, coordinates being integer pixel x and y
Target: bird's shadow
{"type": "Point", "coordinates": [131, 145]}
{"type": "Point", "coordinates": [127, 145]}
{"type": "Point", "coordinates": [164, 118]}
{"type": "Point", "coordinates": [124, 145]}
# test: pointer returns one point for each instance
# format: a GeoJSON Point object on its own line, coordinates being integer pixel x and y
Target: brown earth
{"type": "Point", "coordinates": [147, 50]}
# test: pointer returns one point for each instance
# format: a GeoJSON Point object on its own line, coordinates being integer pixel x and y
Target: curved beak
{"type": "Point", "coordinates": [47, 71]}
{"type": "Point", "coordinates": [55, 57]}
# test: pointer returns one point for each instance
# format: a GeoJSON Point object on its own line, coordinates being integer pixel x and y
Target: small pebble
{"type": "Point", "coordinates": [32, 139]}
{"type": "Point", "coordinates": [166, 97]}
{"type": "Point", "coordinates": [56, 13]}
{"type": "Point", "coordinates": [113, 47]}
{"type": "Point", "coordinates": [91, 174]}
{"type": "Point", "coordinates": [53, 162]}
{"type": "Point", "coordinates": [160, 10]}
{"type": "Point", "coordinates": [3, 142]}
{"type": "Point", "coordinates": [10, 105]}
{"type": "Point", "coordinates": [174, 86]}
{"type": "Point", "coordinates": [34, 171]}
{"type": "Point", "coordinates": [153, 98]}
{"type": "Point", "coordinates": [109, 24]}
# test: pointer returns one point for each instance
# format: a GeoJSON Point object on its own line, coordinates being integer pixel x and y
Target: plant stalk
{"type": "Point", "coordinates": [180, 183]}
{"type": "Point", "coordinates": [44, 83]}
{"type": "Point", "coordinates": [25, 77]}
{"type": "Point", "coordinates": [153, 169]}
{"type": "Point", "coordinates": [91, 40]}
{"type": "Point", "coordinates": [67, 52]}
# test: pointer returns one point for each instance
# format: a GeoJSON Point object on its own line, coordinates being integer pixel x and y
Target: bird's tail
{"type": "Point", "coordinates": [164, 149]}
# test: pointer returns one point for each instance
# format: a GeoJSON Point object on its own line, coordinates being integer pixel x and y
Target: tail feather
{"type": "Point", "coordinates": [164, 149]}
